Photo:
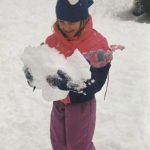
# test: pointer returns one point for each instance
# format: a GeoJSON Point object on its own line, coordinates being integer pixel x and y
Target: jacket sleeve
{"type": "Point", "coordinates": [99, 75]}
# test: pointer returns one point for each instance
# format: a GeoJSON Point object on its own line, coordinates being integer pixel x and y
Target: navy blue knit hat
{"type": "Point", "coordinates": [73, 10]}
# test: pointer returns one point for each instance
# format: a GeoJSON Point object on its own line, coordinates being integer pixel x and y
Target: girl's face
{"type": "Point", "coordinates": [69, 28]}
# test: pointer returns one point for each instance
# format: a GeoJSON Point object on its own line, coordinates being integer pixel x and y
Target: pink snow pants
{"type": "Point", "coordinates": [72, 126]}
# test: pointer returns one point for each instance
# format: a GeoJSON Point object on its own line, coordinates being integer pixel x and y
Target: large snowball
{"type": "Point", "coordinates": [43, 61]}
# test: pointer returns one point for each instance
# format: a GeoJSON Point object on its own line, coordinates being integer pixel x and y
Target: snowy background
{"type": "Point", "coordinates": [123, 119]}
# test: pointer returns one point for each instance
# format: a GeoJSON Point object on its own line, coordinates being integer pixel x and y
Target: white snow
{"type": "Point", "coordinates": [123, 119]}
{"type": "Point", "coordinates": [43, 61]}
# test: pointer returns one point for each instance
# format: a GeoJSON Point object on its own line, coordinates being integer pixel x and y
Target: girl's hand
{"type": "Point", "coordinates": [29, 77]}
{"type": "Point", "coordinates": [64, 82]}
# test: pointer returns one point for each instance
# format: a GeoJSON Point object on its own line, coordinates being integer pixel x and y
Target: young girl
{"type": "Point", "coordinates": [73, 118]}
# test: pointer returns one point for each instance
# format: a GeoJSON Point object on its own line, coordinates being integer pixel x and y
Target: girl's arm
{"type": "Point", "coordinates": [100, 76]}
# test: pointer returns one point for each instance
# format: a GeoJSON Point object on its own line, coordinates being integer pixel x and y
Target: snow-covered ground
{"type": "Point", "coordinates": [123, 119]}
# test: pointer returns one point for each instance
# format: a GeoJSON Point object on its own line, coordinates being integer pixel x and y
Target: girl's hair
{"type": "Point", "coordinates": [82, 25]}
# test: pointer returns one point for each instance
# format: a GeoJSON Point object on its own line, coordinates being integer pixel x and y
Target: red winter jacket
{"type": "Point", "coordinates": [88, 43]}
